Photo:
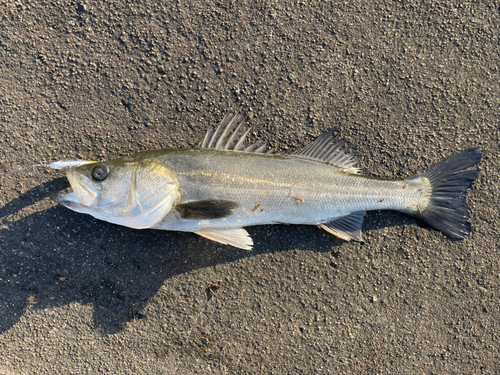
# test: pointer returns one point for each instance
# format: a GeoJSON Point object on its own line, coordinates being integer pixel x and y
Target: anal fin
{"type": "Point", "coordinates": [346, 227]}
{"type": "Point", "coordinates": [237, 237]}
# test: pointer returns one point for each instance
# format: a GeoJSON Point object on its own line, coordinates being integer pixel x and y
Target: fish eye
{"type": "Point", "coordinates": [99, 172]}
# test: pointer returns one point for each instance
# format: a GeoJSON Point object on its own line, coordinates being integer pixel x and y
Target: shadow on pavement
{"type": "Point", "coordinates": [56, 257]}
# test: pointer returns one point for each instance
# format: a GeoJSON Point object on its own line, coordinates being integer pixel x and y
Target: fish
{"type": "Point", "coordinates": [221, 186]}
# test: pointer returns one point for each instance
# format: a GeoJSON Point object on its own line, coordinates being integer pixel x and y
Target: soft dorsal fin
{"type": "Point", "coordinates": [346, 227]}
{"type": "Point", "coordinates": [237, 237]}
{"type": "Point", "coordinates": [323, 149]}
{"type": "Point", "coordinates": [231, 134]}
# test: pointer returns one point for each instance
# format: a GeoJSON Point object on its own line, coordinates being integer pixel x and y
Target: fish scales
{"type": "Point", "coordinates": [274, 180]}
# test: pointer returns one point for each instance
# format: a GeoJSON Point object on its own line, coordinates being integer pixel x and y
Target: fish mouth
{"type": "Point", "coordinates": [69, 200]}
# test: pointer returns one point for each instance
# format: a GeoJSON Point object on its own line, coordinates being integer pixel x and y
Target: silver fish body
{"type": "Point", "coordinates": [272, 189]}
{"type": "Point", "coordinates": [220, 187]}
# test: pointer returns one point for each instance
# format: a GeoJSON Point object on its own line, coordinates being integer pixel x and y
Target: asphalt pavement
{"type": "Point", "coordinates": [405, 83]}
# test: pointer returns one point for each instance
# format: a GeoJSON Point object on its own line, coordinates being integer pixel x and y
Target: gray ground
{"type": "Point", "coordinates": [405, 84]}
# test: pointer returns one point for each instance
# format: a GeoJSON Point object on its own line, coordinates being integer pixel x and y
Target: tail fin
{"type": "Point", "coordinates": [447, 210]}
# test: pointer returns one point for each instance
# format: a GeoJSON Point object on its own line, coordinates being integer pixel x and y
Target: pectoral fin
{"type": "Point", "coordinates": [206, 209]}
{"type": "Point", "coordinates": [346, 227]}
{"type": "Point", "coordinates": [237, 237]}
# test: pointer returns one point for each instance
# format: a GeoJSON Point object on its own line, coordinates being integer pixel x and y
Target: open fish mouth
{"type": "Point", "coordinates": [66, 199]}
{"type": "Point", "coordinates": [81, 194]}
{"type": "Point", "coordinates": [71, 201]}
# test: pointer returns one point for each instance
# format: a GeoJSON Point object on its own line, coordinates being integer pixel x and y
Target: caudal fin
{"type": "Point", "coordinates": [447, 210]}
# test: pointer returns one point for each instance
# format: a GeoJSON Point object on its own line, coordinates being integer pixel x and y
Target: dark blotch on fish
{"type": "Point", "coordinates": [207, 209]}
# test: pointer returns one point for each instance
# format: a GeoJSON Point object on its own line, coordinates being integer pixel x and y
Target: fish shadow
{"type": "Point", "coordinates": [57, 257]}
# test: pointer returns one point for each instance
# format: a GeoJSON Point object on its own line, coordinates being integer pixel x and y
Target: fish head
{"type": "Point", "coordinates": [137, 193]}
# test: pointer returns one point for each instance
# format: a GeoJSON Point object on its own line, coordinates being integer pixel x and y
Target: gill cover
{"type": "Point", "coordinates": [136, 194]}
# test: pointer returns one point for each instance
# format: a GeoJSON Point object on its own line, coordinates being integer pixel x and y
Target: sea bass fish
{"type": "Point", "coordinates": [221, 186]}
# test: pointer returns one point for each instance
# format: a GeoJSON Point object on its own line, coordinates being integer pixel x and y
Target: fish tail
{"type": "Point", "coordinates": [447, 210]}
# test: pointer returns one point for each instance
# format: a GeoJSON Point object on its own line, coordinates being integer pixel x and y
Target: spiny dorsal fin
{"type": "Point", "coordinates": [231, 134]}
{"type": "Point", "coordinates": [346, 227]}
{"type": "Point", "coordinates": [323, 149]}
{"type": "Point", "coordinates": [237, 237]}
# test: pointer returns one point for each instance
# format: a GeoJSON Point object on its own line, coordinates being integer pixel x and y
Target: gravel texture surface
{"type": "Point", "coordinates": [405, 83]}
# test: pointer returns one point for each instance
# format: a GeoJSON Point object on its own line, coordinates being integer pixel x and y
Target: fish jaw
{"type": "Point", "coordinates": [140, 219]}
{"type": "Point", "coordinates": [70, 200]}
{"type": "Point", "coordinates": [65, 199]}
